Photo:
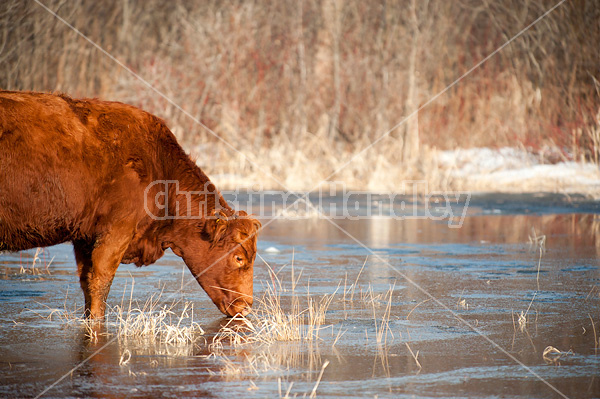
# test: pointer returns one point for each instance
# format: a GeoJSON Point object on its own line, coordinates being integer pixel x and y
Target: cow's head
{"type": "Point", "coordinates": [222, 259]}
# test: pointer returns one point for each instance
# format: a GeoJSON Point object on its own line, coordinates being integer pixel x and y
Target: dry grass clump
{"type": "Point", "coordinates": [382, 329]}
{"type": "Point", "coordinates": [522, 319]}
{"type": "Point", "coordinates": [34, 270]}
{"type": "Point", "coordinates": [270, 321]}
{"type": "Point", "coordinates": [152, 321]}
{"type": "Point", "coordinates": [367, 297]}
{"type": "Point", "coordinates": [551, 355]}
{"type": "Point", "coordinates": [283, 332]}
{"type": "Point", "coordinates": [65, 314]}
{"type": "Point", "coordinates": [164, 324]}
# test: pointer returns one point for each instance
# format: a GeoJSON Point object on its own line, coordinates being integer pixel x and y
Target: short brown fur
{"type": "Point", "coordinates": [84, 171]}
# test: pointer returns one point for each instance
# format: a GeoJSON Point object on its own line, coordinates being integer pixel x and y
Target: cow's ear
{"type": "Point", "coordinates": [256, 224]}
{"type": "Point", "coordinates": [215, 227]}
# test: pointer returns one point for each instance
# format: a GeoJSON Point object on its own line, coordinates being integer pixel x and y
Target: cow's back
{"type": "Point", "coordinates": [62, 166]}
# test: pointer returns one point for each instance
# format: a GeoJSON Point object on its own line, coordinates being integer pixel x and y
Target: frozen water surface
{"type": "Point", "coordinates": [466, 336]}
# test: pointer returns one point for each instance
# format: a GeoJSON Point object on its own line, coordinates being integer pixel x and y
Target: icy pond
{"type": "Point", "coordinates": [505, 305]}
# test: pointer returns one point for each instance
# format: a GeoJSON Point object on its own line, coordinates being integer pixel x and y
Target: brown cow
{"type": "Point", "coordinates": [113, 180]}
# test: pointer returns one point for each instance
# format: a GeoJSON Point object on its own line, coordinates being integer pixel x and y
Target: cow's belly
{"type": "Point", "coordinates": [38, 206]}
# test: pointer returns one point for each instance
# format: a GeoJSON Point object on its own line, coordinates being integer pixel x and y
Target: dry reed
{"type": "Point", "coordinates": [596, 340]}
{"type": "Point", "coordinates": [313, 393]}
{"type": "Point", "coordinates": [537, 242]}
{"type": "Point", "coordinates": [462, 302]}
{"type": "Point", "coordinates": [414, 355]}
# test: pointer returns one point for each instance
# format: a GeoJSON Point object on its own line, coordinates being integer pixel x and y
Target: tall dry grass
{"type": "Point", "coordinates": [279, 316]}
{"type": "Point", "coordinates": [301, 85]}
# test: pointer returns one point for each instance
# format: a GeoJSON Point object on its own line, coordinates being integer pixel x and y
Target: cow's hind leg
{"type": "Point", "coordinates": [83, 257]}
{"type": "Point", "coordinates": [97, 265]}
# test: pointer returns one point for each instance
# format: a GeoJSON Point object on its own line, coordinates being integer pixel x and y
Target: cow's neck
{"type": "Point", "coordinates": [191, 197]}
{"type": "Point", "coordinates": [193, 192]}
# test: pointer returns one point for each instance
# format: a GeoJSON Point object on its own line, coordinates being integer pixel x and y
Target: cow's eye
{"type": "Point", "coordinates": [239, 260]}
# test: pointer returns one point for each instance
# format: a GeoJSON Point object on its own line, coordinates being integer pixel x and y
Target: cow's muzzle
{"type": "Point", "coordinates": [237, 308]}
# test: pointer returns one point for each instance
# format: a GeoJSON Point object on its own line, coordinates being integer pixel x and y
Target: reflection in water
{"type": "Point", "coordinates": [277, 358]}
{"type": "Point", "coordinates": [570, 232]}
{"type": "Point", "coordinates": [489, 263]}
{"type": "Point", "coordinates": [143, 372]}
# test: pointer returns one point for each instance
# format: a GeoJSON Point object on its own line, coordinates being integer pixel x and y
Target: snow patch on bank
{"type": "Point", "coordinates": [513, 169]}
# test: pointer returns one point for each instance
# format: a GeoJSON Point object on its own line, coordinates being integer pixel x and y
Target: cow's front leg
{"type": "Point", "coordinates": [97, 266]}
